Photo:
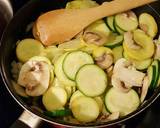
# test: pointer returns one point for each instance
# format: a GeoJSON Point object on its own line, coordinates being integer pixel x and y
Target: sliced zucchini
{"type": "Point", "coordinates": [51, 74]}
{"type": "Point", "coordinates": [81, 4]}
{"type": "Point", "coordinates": [99, 26]}
{"type": "Point", "coordinates": [28, 48]}
{"type": "Point", "coordinates": [141, 47]}
{"type": "Point", "coordinates": [124, 103]}
{"type": "Point", "coordinates": [19, 90]}
{"type": "Point", "coordinates": [156, 63]}
{"type": "Point", "coordinates": [91, 80]}
{"type": "Point", "coordinates": [89, 48]}
{"type": "Point", "coordinates": [118, 29]}
{"type": "Point", "coordinates": [85, 109]}
{"type": "Point", "coordinates": [148, 24]}
{"type": "Point", "coordinates": [41, 58]}
{"type": "Point", "coordinates": [75, 96]}
{"type": "Point", "coordinates": [110, 23]}
{"type": "Point", "coordinates": [72, 45]}
{"type": "Point", "coordinates": [117, 53]}
{"type": "Point", "coordinates": [60, 73]}
{"type": "Point", "coordinates": [152, 76]}
{"type": "Point", "coordinates": [69, 89]}
{"type": "Point", "coordinates": [126, 21]}
{"type": "Point", "coordinates": [140, 65]}
{"type": "Point", "coordinates": [51, 52]}
{"type": "Point", "coordinates": [55, 98]}
{"type": "Point", "coordinates": [73, 61]}
{"type": "Point", "coordinates": [114, 40]}
{"type": "Point", "coordinates": [99, 102]}
{"type": "Point", "coordinates": [100, 51]}
{"type": "Point", "coordinates": [58, 113]}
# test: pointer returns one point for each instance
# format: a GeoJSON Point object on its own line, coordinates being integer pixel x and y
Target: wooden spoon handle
{"type": "Point", "coordinates": [117, 6]}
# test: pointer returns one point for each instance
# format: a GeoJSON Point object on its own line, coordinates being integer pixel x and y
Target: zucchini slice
{"type": "Point", "coordinates": [58, 113]}
{"type": "Point", "coordinates": [60, 73]}
{"type": "Point", "coordinates": [126, 21]}
{"type": "Point", "coordinates": [41, 58]}
{"type": "Point", "coordinates": [114, 40]}
{"type": "Point", "coordinates": [85, 109]}
{"type": "Point", "coordinates": [55, 98]}
{"type": "Point", "coordinates": [73, 61]}
{"type": "Point", "coordinates": [81, 4]}
{"type": "Point", "coordinates": [138, 47]}
{"type": "Point", "coordinates": [110, 22]}
{"type": "Point", "coordinates": [125, 103]}
{"type": "Point", "coordinates": [118, 29]}
{"type": "Point", "coordinates": [28, 48]}
{"type": "Point", "coordinates": [72, 45]}
{"type": "Point", "coordinates": [100, 103]}
{"type": "Point", "coordinates": [117, 53]}
{"type": "Point", "coordinates": [91, 80]}
{"type": "Point", "coordinates": [148, 24]}
{"type": "Point", "coordinates": [75, 96]}
{"type": "Point", "coordinates": [152, 76]}
{"type": "Point", "coordinates": [139, 64]}
{"type": "Point", "coordinates": [156, 63]}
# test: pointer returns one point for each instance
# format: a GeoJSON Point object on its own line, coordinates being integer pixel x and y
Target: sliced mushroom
{"type": "Point", "coordinates": [109, 117]}
{"type": "Point", "coordinates": [34, 76]}
{"type": "Point", "coordinates": [144, 88]}
{"type": "Point", "coordinates": [94, 37]}
{"type": "Point", "coordinates": [124, 77]}
{"type": "Point", "coordinates": [117, 83]}
{"type": "Point", "coordinates": [157, 52]}
{"type": "Point", "coordinates": [19, 89]}
{"type": "Point", "coordinates": [128, 37]}
{"type": "Point", "coordinates": [104, 57]}
{"type": "Point", "coordinates": [110, 71]}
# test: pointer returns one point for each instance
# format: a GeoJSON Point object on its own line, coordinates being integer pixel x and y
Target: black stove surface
{"type": "Point", "coordinates": [10, 110]}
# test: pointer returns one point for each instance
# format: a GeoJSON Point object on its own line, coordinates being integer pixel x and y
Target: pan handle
{"type": "Point", "coordinates": [26, 120]}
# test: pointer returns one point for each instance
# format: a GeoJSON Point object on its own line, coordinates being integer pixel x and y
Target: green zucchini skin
{"type": "Point", "coordinates": [58, 113]}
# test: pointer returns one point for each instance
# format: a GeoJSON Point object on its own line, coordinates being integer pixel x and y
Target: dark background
{"type": "Point", "coordinates": [10, 110]}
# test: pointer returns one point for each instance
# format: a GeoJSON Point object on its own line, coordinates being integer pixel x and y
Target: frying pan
{"type": "Point", "coordinates": [16, 31]}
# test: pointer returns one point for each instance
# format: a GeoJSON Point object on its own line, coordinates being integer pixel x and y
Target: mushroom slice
{"type": "Point", "coordinates": [123, 73]}
{"type": "Point", "coordinates": [144, 88]}
{"type": "Point", "coordinates": [117, 83]}
{"type": "Point", "coordinates": [157, 52]}
{"type": "Point", "coordinates": [34, 76]}
{"type": "Point", "coordinates": [113, 116]}
{"type": "Point", "coordinates": [94, 37]}
{"type": "Point", "coordinates": [138, 45]}
{"type": "Point", "coordinates": [104, 57]}
{"type": "Point", "coordinates": [128, 37]}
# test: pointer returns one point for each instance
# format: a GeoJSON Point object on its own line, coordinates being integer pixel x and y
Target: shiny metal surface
{"type": "Point", "coordinates": [6, 14]}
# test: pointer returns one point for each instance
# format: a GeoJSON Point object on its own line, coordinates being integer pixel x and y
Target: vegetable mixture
{"type": "Point", "coordinates": [104, 73]}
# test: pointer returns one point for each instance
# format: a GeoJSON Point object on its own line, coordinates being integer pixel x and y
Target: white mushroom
{"type": "Point", "coordinates": [124, 77]}
{"type": "Point", "coordinates": [34, 76]}
{"type": "Point", "coordinates": [144, 88]}
{"type": "Point", "coordinates": [109, 117]}
{"type": "Point", "coordinates": [105, 61]}
{"type": "Point", "coordinates": [128, 37]}
{"type": "Point", "coordinates": [103, 57]}
{"type": "Point", "coordinates": [94, 37]}
{"type": "Point", "coordinates": [119, 84]}
{"type": "Point", "coordinates": [157, 52]}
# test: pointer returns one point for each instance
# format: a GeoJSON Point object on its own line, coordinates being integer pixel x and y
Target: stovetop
{"type": "Point", "coordinates": [10, 110]}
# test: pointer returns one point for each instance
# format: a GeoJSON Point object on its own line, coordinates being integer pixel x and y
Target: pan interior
{"type": "Point", "coordinates": [16, 31]}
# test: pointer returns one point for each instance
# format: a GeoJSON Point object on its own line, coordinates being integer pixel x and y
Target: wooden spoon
{"type": "Point", "coordinates": [61, 25]}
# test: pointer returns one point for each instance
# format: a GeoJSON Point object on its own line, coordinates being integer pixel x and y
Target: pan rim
{"type": "Point", "coordinates": [50, 120]}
